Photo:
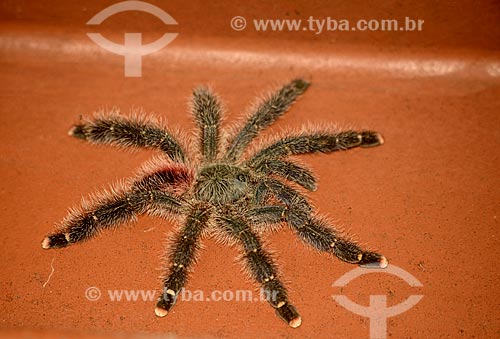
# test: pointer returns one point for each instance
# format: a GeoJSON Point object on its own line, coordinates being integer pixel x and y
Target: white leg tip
{"type": "Point", "coordinates": [294, 323]}
{"type": "Point", "coordinates": [46, 243]}
{"type": "Point", "coordinates": [160, 312]}
{"type": "Point", "coordinates": [383, 262]}
{"type": "Point", "coordinates": [380, 138]}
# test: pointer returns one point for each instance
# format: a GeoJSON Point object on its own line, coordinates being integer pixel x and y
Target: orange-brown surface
{"type": "Point", "coordinates": [428, 198]}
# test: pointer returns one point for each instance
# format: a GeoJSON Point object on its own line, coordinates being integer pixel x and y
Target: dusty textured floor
{"type": "Point", "coordinates": [428, 199]}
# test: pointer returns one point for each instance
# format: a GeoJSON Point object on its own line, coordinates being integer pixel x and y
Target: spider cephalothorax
{"type": "Point", "coordinates": [220, 184]}
{"type": "Point", "coordinates": [225, 192]}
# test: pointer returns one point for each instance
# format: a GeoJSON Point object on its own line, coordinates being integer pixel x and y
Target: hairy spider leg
{"type": "Point", "coordinates": [288, 170]}
{"type": "Point", "coordinates": [111, 208]}
{"type": "Point", "coordinates": [314, 231]}
{"type": "Point", "coordinates": [324, 142]}
{"type": "Point", "coordinates": [265, 114]}
{"type": "Point", "coordinates": [182, 255]}
{"type": "Point", "coordinates": [207, 114]}
{"type": "Point", "coordinates": [261, 268]}
{"type": "Point", "coordinates": [129, 132]}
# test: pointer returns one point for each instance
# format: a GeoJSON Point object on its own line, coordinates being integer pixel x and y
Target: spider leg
{"type": "Point", "coordinates": [265, 114]}
{"type": "Point", "coordinates": [288, 170]}
{"type": "Point", "coordinates": [314, 231]}
{"type": "Point", "coordinates": [207, 113]}
{"type": "Point", "coordinates": [267, 215]}
{"type": "Point", "coordinates": [115, 207]}
{"type": "Point", "coordinates": [113, 129]}
{"type": "Point", "coordinates": [182, 256]}
{"type": "Point", "coordinates": [324, 142]}
{"type": "Point", "coordinates": [262, 269]}
{"type": "Point", "coordinates": [317, 233]}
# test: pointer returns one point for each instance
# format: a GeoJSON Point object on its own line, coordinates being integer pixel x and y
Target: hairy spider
{"type": "Point", "coordinates": [220, 192]}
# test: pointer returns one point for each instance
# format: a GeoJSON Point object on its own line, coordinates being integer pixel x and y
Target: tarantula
{"type": "Point", "coordinates": [223, 192]}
